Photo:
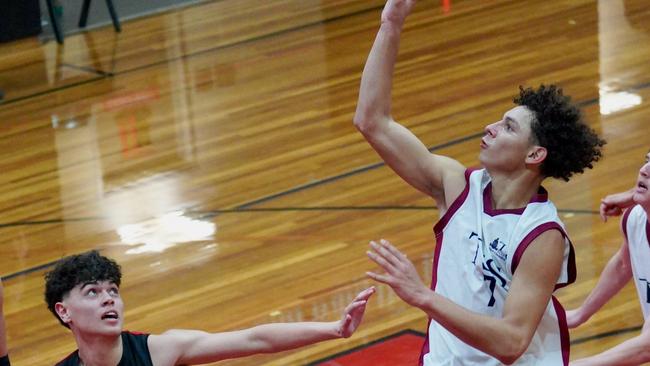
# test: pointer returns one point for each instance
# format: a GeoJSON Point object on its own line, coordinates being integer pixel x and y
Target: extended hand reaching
{"type": "Point", "coordinates": [400, 273]}
{"type": "Point", "coordinates": [353, 313]}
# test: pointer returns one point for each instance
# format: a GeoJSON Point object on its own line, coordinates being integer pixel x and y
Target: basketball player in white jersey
{"type": "Point", "coordinates": [501, 249]}
{"type": "Point", "coordinates": [631, 262]}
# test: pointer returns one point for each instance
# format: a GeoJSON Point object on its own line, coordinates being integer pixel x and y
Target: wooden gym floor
{"type": "Point", "coordinates": [210, 150]}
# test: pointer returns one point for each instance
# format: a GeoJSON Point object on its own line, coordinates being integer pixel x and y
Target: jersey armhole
{"type": "Point", "coordinates": [442, 222]}
{"type": "Point", "coordinates": [624, 219]}
{"type": "Point", "coordinates": [521, 248]}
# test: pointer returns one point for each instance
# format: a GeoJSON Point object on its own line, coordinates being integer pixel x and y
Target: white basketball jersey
{"type": "Point", "coordinates": [637, 231]}
{"type": "Point", "coordinates": [478, 249]}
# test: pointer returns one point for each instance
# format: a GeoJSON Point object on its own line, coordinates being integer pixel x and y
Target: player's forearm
{"type": "Point", "coordinates": [616, 274]}
{"type": "Point", "coordinates": [494, 336]}
{"type": "Point", "coordinates": [635, 351]}
{"type": "Point", "coordinates": [374, 103]}
{"type": "Point", "coordinates": [276, 337]}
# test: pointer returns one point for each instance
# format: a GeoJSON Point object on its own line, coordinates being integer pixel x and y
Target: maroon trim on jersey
{"type": "Point", "coordinates": [438, 232]}
{"type": "Point", "coordinates": [425, 346]}
{"type": "Point", "coordinates": [540, 196]}
{"type": "Point", "coordinates": [521, 248]}
{"type": "Point", "coordinates": [647, 231]}
{"type": "Point", "coordinates": [564, 330]}
{"type": "Point", "coordinates": [626, 216]}
{"type": "Point", "coordinates": [444, 220]}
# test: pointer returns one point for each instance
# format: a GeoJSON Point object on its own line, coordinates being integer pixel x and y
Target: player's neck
{"type": "Point", "coordinates": [99, 350]}
{"type": "Point", "coordinates": [514, 190]}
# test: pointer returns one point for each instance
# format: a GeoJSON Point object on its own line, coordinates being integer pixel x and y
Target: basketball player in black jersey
{"type": "Point", "coordinates": [82, 291]}
{"type": "Point", "coordinates": [4, 357]}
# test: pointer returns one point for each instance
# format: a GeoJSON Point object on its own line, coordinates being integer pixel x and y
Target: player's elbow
{"type": "Point", "coordinates": [363, 123]}
{"type": "Point", "coordinates": [369, 122]}
{"type": "Point", "coordinates": [512, 349]}
{"type": "Point", "coordinates": [509, 356]}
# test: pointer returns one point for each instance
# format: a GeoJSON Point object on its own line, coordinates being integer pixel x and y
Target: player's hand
{"type": "Point", "coordinates": [396, 11]}
{"type": "Point", "coordinates": [400, 274]}
{"type": "Point", "coordinates": [614, 204]}
{"type": "Point", "coordinates": [353, 313]}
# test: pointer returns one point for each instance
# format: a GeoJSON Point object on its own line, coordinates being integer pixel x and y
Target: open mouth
{"type": "Point", "coordinates": [642, 185]}
{"type": "Point", "coordinates": [110, 315]}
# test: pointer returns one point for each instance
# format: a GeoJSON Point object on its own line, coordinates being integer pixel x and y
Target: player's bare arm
{"type": "Point", "coordinates": [436, 176]}
{"type": "Point", "coordinates": [191, 347]}
{"type": "Point", "coordinates": [632, 352]}
{"type": "Point", "coordinates": [614, 277]}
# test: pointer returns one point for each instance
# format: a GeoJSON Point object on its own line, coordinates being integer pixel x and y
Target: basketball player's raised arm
{"type": "Point", "coordinates": [192, 347]}
{"type": "Point", "coordinates": [505, 338]}
{"type": "Point", "coordinates": [398, 146]}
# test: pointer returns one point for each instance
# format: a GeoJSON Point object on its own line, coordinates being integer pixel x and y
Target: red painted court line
{"type": "Point", "coordinates": [401, 349]}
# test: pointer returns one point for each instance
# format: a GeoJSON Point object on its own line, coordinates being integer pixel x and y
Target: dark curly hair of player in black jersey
{"type": "Point", "coordinates": [78, 269]}
{"type": "Point", "coordinates": [571, 145]}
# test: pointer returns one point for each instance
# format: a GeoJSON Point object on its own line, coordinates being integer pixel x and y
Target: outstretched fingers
{"type": "Point", "coordinates": [396, 254]}
{"type": "Point", "coordinates": [365, 294]}
{"type": "Point", "coordinates": [381, 255]}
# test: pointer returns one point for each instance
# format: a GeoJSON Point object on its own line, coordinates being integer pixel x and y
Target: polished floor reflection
{"type": "Point", "coordinates": [210, 150]}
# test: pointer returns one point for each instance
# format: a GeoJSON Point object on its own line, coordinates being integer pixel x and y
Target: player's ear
{"type": "Point", "coordinates": [62, 312]}
{"type": "Point", "coordinates": [536, 155]}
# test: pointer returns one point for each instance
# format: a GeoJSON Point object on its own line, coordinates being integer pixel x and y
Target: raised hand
{"type": "Point", "coordinates": [396, 11]}
{"type": "Point", "coordinates": [353, 313]}
{"type": "Point", "coordinates": [400, 274]}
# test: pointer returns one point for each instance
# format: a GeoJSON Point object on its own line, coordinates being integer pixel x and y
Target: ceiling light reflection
{"type": "Point", "coordinates": [161, 233]}
{"type": "Point", "coordinates": [616, 101]}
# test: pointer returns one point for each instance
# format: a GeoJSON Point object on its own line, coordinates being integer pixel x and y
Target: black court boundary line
{"type": "Point", "coordinates": [213, 213]}
{"type": "Point", "coordinates": [37, 268]}
{"type": "Point", "coordinates": [46, 222]}
{"type": "Point", "coordinates": [253, 39]}
{"type": "Point", "coordinates": [87, 69]}
{"type": "Point", "coordinates": [606, 334]}
{"type": "Point", "coordinates": [346, 174]}
{"type": "Point", "coordinates": [369, 344]}
{"type": "Point", "coordinates": [112, 73]}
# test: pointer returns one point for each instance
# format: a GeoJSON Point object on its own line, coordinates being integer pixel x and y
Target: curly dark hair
{"type": "Point", "coordinates": [78, 269]}
{"type": "Point", "coordinates": [571, 145]}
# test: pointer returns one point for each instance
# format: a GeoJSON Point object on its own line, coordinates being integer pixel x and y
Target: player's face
{"type": "Point", "coordinates": [507, 142]}
{"type": "Point", "coordinates": [94, 308]}
{"type": "Point", "coordinates": [641, 193]}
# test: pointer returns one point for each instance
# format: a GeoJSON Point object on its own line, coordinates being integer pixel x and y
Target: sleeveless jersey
{"type": "Point", "coordinates": [478, 249]}
{"type": "Point", "coordinates": [637, 231]}
{"type": "Point", "coordinates": [135, 352]}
